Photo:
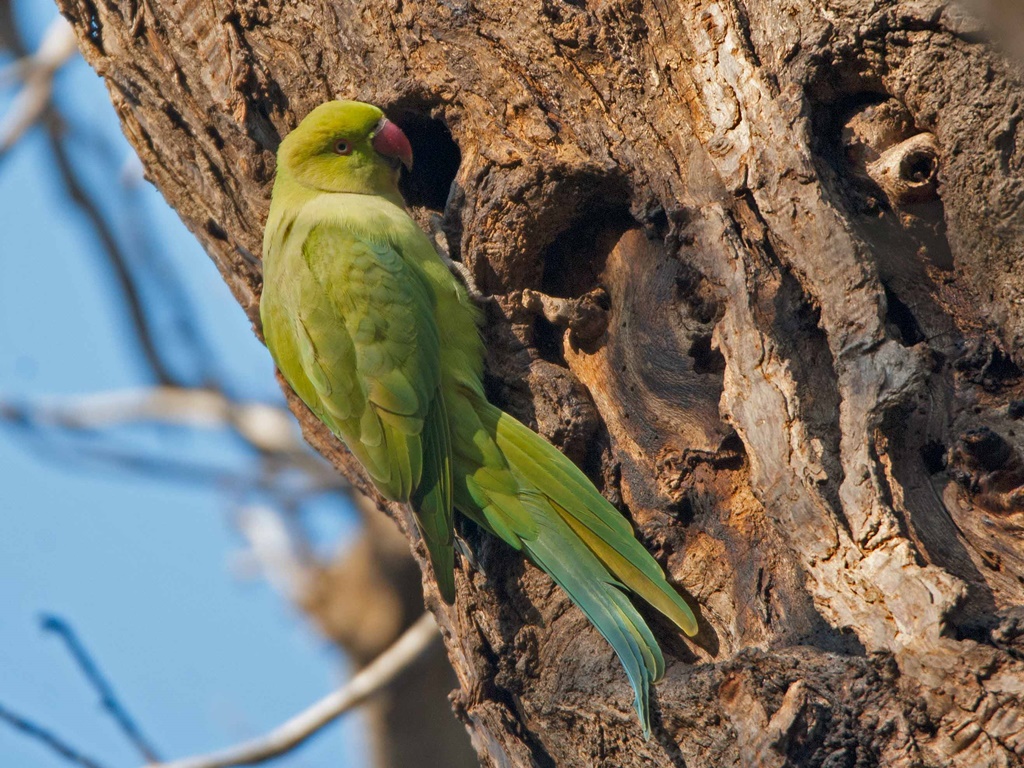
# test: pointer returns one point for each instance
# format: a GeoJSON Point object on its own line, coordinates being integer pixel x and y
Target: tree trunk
{"type": "Point", "coordinates": [756, 266]}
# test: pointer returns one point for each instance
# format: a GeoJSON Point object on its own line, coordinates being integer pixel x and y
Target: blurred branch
{"type": "Point", "coordinates": [1004, 21]}
{"type": "Point", "coordinates": [36, 71]}
{"type": "Point", "coordinates": [170, 292]}
{"type": "Point", "coordinates": [368, 681]}
{"type": "Point", "coordinates": [48, 738]}
{"type": "Point", "coordinates": [34, 103]}
{"type": "Point", "coordinates": [281, 556]}
{"type": "Point", "coordinates": [116, 255]}
{"type": "Point", "coordinates": [99, 683]}
{"type": "Point", "coordinates": [10, 40]}
{"type": "Point", "coordinates": [266, 428]}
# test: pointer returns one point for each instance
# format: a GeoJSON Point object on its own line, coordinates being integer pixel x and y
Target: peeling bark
{"type": "Point", "coordinates": [755, 266]}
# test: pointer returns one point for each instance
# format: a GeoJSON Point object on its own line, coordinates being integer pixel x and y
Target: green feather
{"type": "Point", "coordinates": [433, 500]}
{"type": "Point", "coordinates": [575, 569]}
{"type": "Point", "coordinates": [591, 517]}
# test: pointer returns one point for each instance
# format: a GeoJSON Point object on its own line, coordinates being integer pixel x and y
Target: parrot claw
{"type": "Point", "coordinates": [461, 272]}
{"type": "Point", "coordinates": [464, 549]}
{"type": "Point", "coordinates": [457, 268]}
{"type": "Point", "coordinates": [438, 235]}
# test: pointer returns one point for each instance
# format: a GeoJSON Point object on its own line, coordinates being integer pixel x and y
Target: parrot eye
{"type": "Point", "coordinates": [342, 147]}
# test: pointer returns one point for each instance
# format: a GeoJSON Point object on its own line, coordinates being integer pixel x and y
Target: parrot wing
{"type": "Point", "coordinates": [366, 340]}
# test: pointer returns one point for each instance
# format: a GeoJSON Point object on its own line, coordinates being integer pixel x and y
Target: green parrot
{"type": "Point", "coordinates": [376, 335]}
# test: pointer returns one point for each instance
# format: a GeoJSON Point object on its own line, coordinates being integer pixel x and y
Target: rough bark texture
{"type": "Point", "coordinates": [756, 266]}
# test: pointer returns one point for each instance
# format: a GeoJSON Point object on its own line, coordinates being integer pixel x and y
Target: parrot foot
{"type": "Point", "coordinates": [464, 549]}
{"type": "Point", "coordinates": [457, 268]}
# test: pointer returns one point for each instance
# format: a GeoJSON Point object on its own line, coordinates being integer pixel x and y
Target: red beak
{"type": "Point", "coordinates": [389, 141]}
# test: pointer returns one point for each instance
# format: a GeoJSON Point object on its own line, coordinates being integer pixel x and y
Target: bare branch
{"type": "Point", "coordinates": [375, 676]}
{"type": "Point", "coordinates": [268, 428]}
{"type": "Point", "coordinates": [37, 72]}
{"type": "Point", "coordinates": [57, 426]}
{"type": "Point", "coordinates": [48, 738]}
{"type": "Point", "coordinates": [96, 679]}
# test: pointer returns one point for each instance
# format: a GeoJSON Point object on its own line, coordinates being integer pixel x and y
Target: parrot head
{"type": "Point", "coordinates": [345, 146]}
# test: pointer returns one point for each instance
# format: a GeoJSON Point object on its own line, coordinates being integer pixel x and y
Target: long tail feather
{"type": "Point", "coordinates": [591, 516]}
{"type": "Point", "coordinates": [526, 492]}
{"type": "Point", "coordinates": [432, 502]}
{"type": "Point", "coordinates": [587, 582]}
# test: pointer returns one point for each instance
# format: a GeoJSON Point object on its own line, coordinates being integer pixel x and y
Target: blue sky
{"type": "Point", "coordinates": [139, 566]}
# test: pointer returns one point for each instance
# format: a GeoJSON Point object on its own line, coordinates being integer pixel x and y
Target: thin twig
{"type": "Point", "coordinates": [76, 190]}
{"type": "Point", "coordinates": [74, 452]}
{"type": "Point", "coordinates": [160, 279]}
{"type": "Point", "coordinates": [50, 739]}
{"type": "Point", "coordinates": [372, 678]}
{"type": "Point", "coordinates": [92, 673]}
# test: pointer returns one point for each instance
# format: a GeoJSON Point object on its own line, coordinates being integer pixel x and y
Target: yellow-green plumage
{"type": "Point", "coordinates": [378, 338]}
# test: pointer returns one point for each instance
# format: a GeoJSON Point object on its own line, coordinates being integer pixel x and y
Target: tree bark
{"type": "Point", "coordinates": [756, 266]}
